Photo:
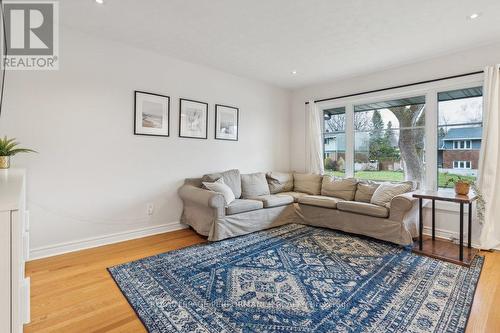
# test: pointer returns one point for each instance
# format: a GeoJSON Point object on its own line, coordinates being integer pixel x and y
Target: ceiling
{"type": "Point", "coordinates": [322, 40]}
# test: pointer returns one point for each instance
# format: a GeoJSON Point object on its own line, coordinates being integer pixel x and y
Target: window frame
{"type": "Point", "coordinates": [462, 165]}
{"type": "Point", "coordinates": [462, 144]}
{"type": "Point", "coordinates": [430, 90]}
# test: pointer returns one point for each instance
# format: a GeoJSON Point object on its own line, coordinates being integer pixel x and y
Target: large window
{"type": "Point", "coordinates": [334, 140]}
{"type": "Point", "coordinates": [396, 137]}
{"type": "Point", "coordinates": [389, 140]}
{"type": "Point", "coordinates": [460, 129]}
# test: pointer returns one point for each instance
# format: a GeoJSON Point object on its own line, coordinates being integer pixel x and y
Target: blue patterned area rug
{"type": "Point", "coordinates": [298, 279]}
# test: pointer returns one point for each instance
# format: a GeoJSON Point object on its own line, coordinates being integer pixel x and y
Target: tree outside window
{"type": "Point", "coordinates": [391, 144]}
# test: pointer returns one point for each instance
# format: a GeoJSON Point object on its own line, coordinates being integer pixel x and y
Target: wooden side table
{"type": "Point", "coordinates": [438, 248]}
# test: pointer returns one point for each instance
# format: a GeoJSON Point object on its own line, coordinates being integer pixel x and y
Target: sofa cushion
{"type": "Point", "coordinates": [220, 187]}
{"type": "Point", "coordinates": [231, 178]}
{"type": "Point", "coordinates": [295, 195]}
{"type": "Point", "coordinates": [386, 191]}
{"type": "Point", "coordinates": [254, 185]}
{"type": "Point", "coordinates": [243, 205]}
{"type": "Point", "coordinates": [279, 181]}
{"type": "Point", "coordinates": [320, 201]}
{"type": "Point", "coordinates": [274, 200]}
{"type": "Point", "coordinates": [339, 188]}
{"type": "Point", "coordinates": [363, 208]}
{"type": "Point", "coordinates": [307, 183]}
{"type": "Point", "coordinates": [364, 191]}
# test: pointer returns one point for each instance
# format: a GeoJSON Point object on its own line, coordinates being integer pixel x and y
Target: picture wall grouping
{"type": "Point", "coordinates": [152, 117]}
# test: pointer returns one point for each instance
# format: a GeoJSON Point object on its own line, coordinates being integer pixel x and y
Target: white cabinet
{"type": "Point", "coordinates": [14, 238]}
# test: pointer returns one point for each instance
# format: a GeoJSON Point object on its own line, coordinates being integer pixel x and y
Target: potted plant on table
{"type": "Point", "coordinates": [8, 148]}
{"type": "Point", "coordinates": [462, 185]}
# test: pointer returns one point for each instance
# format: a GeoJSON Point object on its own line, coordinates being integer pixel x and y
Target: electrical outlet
{"type": "Point", "coordinates": [150, 208]}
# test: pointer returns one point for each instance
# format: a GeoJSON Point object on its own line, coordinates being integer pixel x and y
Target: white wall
{"type": "Point", "coordinates": [459, 63]}
{"type": "Point", "coordinates": [92, 176]}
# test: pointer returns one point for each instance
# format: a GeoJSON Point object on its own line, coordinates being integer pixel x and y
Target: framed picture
{"type": "Point", "coordinates": [193, 119]}
{"type": "Point", "coordinates": [226, 122]}
{"type": "Point", "coordinates": [151, 114]}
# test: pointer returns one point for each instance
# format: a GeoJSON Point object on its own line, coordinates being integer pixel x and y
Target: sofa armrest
{"type": "Point", "coordinates": [202, 197]}
{"type": "Point", "coordinates": [401, 205]}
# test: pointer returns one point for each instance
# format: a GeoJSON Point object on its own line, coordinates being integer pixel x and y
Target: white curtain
{"type": "Point", "coordinates": [489, 160]}
{"type": "Point", "coordinates": [314, 140]}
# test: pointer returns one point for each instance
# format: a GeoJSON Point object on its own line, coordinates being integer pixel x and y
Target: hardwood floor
{"type": "Point", "coordinates": [75, 293]}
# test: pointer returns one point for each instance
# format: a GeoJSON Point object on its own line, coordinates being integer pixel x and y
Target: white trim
{"type": "Point", "coordinates": [430, 182]}
{"type": "Point", "coordinates": [87, 243]}
{"type": "Point", "coordinates": [459, 143]}
{"type": "Point", "coordinates": [451, 236]}
{"type": "Point", "coordinates": [418, 90]}
{"type": "Point", "coordinates": [464, 163]}
{"type": "Point", "coordinates": [349, 141]}
{"type": "Point", "coordinates": [448, 235]}
{"type": "Point", "coordinates": [460, 139]}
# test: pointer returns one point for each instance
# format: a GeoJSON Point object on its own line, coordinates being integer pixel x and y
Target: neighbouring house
{"type": "Point", "coordinates": [459, 150]}
{"type": "Point", "coordinates": [335, 147]}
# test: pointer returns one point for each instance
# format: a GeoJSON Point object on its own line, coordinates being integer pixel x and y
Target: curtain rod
{"type": "Point", "coordinates": [396, 87]}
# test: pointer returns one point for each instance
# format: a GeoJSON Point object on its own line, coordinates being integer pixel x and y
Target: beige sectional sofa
{"type": "Point", "coordinates": [383, 211]}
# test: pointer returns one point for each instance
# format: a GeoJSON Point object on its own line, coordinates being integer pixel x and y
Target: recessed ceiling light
{"type": "Point", "coordinates": [294, 72]}
{"type": "Point", "coordinates": [474, 16]}
{"type": "Point", "coordinates": [101, 2]}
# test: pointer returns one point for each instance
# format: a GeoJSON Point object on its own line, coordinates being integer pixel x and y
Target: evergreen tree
{"type": "Point", "coordinates": [381, 147]}
{"type": "Point", "coordinates": [378, 125]}
{"type": "Point", "coordinates": [389, 134]}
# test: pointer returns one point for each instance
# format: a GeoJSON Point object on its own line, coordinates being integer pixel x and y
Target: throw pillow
{"type": "Point", "coordinates": [364, 191]}
{"type": "Point", "coordinates": [339, 188]}
{"type": "Point", "coordinates": [279, 182]}
{"type": "Point", "coordinates": [254, 185]}
{"type": "Point", "coordinates": [231, 178]}
{"type": "Point", "coordinates": [387, 191]}
{"type": "Point", "coordinates": [307, 183]}
{"type": "Point", "coordinates": [220, 187]}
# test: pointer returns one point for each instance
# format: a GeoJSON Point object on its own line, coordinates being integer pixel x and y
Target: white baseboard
{"type": "Point", "coordinates": [447, 234]}
{"type": "Point", "coordinates": [82, 244]}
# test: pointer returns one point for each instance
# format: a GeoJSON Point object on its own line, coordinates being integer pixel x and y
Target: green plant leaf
{"type": "Point", "coordinates": [21, 150]}
{"type": "Point", "coordinates": [8, 147]}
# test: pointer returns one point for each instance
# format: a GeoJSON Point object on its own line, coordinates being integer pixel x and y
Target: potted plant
{"type": "Point", "coordinates": [462, 185]}
{"type": "Point", "coordinates": [8, 148]}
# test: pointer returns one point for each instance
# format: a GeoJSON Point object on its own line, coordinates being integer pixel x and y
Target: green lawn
{"type": "Point", "coordinates": [392, 176]}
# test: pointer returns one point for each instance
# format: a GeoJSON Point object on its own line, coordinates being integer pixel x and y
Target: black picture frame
{"type": "Point", "coordinates": [136, 132]}
{"type": "Point", "coordinates": [217, 110]}
{"type": "Point", "coordinates": [180, 118]}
